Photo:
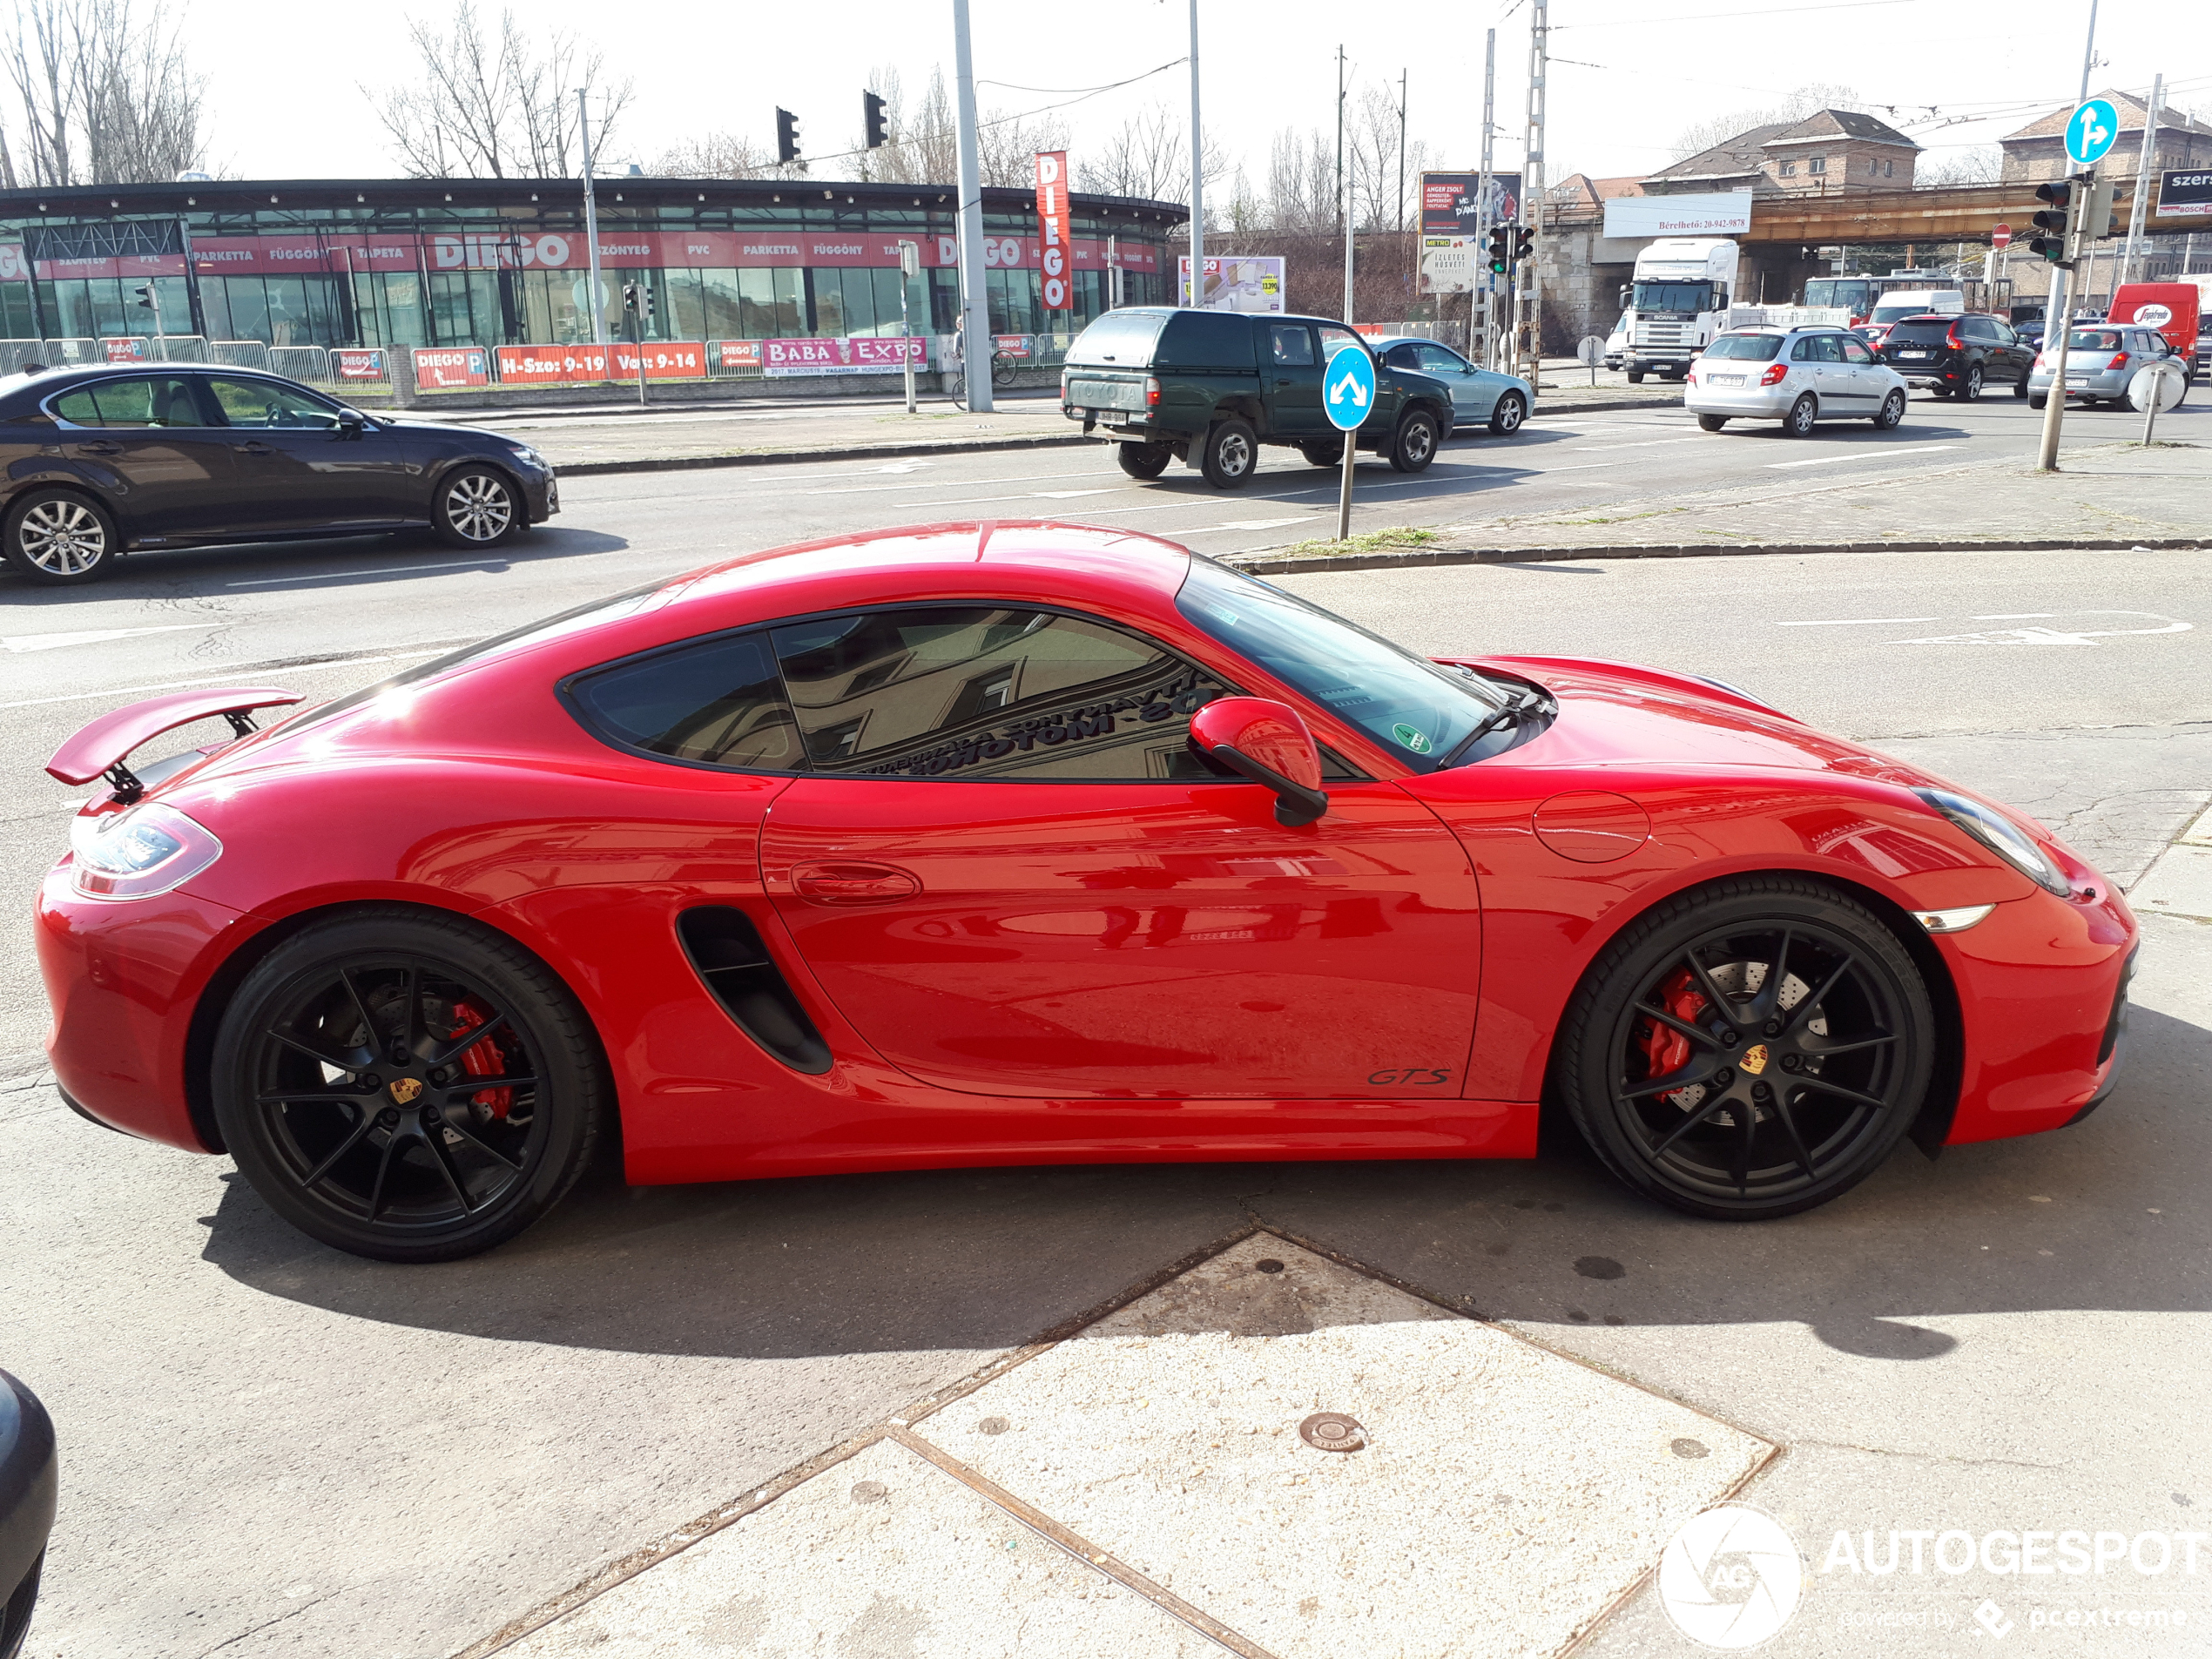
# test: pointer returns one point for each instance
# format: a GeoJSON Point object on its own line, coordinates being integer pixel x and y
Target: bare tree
{"type": "Point", "coordinates": [1980, 164]}
{"type": "Point", "coordinates": [1371, 134]}
{"type": "Point", "coordinates": [1006, 145]}
{"type": "Point", "coordinates": [106, 96]}
{"type": "Point", "coordinates": [1301, 180]}
{"type": "Point", "coordinates": [718, 155]}
{"type": "Point", "coordinates": [495, 108]}
{"type": "Point", "coordinates": [1806, 100]}
{"type": "Point", "coordinates": [1150, 157]}
{"type": "Point", "coordinates": [923, 149]}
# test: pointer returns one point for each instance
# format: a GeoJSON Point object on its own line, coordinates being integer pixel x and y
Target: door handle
{"type": "Point", "coordinates": [103, 448]}
{"type": "Point", "coordinates": [852, 882]}
{"type": "Point", "coordinates": [254, 446]}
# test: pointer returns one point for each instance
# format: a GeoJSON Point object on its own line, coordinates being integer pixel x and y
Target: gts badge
{"type": "Point", "coordinates": [1421, 1075]}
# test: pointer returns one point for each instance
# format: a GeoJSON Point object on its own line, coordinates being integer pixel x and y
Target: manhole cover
{"type": "Point", "coordinates": [1332, 1431]}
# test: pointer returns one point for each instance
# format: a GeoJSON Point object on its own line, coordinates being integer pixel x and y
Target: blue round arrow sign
{"type": "Point", "coordinates": [1348, 386]}
{"type": "Point", "coordinates": [2090, 130]}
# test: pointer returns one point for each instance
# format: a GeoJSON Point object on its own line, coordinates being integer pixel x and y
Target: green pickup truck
{"type": "Point", "coordinates": [1209, 387]}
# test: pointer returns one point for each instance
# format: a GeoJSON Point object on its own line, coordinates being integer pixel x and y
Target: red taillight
{"type": "Point", "coordinates": [1151, 392]}
{"type": "Point", "coordinates": [1776, 374]}
{"type": "Point", "coordinates": [2119, 360]}
{"type": "Point", "coordinates": [1952, 338]}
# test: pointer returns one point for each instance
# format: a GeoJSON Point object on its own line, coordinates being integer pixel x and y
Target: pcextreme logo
{"type": "Point", "coordinates": [1731, 1577]}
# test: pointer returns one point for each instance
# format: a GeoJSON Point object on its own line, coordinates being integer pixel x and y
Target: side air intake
{"type": "Point", "coordinates": [724, 947]}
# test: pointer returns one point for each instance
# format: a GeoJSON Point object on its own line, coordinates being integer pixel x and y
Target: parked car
{"type": "Point", "coordinates": [1500, 401]}
{"type": "Point", "coordinates": [2101, 362]}
{"type": "Point", "coordinates": [98, 463]}
{"type": "Point", "coordinates": [29, 1486]}
{"type": "Point", "coordinates": [1956, 356]}
{"type": "Point", "coordinates": [1616, 343]}
{"type": "Point", "coordinates": [1083, 849]}
{"type": "Point", "coordinates": [1209, 388]}
{"type": "Point", "coordinates": [1797, 376]}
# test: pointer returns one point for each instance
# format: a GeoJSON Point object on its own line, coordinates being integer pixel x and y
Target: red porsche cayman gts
{"type": "Point", "coordinates": [1022, 843]}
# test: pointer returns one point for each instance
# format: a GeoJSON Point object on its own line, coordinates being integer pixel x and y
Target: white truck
{"type": "Point", "coordinates": [1681, 297]}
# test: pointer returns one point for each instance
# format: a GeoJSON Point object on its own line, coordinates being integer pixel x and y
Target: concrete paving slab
{"type": "Point", "coordinates": [1504, 1498]}
{"type": "Point", "coordinates": [881, 1555]}
{"type": "Point", "coordinates": [2180, 884]}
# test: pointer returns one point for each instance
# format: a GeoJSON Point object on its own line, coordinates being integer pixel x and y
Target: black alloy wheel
{"type": "Point", "coordinates": [1321, 452]}
{"type": "Point", "coordinates": [1413, 445]}
{"type": "Point", "coordinates": [1144, 460]}
{"type": "Point", "coordinates": [1971, 390]}
{"type": "Point", "coordinates": [1749, 1050]}
{"type": "Point", "coordinates": [59, 538]}
{"type": "Point", "coordinates": [1892, 413]}
{"type": "Point", "coordinates": [1232, 454]}
{"type": "Point", "coordinates": [1507, 414]}
{"type": "Point", "coordinates": [406, 1086]}
{"type": "Point", "coordinates": [477, 507]}
{"type": "Point", "coordinates": [1804, 415]}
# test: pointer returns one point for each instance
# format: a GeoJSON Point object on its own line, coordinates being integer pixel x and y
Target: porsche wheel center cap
{"type": "Point", "coordinates": [1754, 1060]}
{"type": "Point", "coordinates": [404, 1090]}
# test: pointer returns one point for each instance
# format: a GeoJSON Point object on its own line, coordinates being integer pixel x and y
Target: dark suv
{"type": "Point", "coordinates": [1209, 387]}
{"type": "Point", "coordinates": [1956, 356]}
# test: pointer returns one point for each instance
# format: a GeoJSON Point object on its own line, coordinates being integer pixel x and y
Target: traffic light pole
{"type": "Point", "coordinates": [975, 299]}
{"type": "Point", "coordinates": [1488, 358]}
{"type": "Point", "coordinates": [590, 223]}
{"type": "Point", "coordinates": [1531, 194]}
{"type": "Point", "coordinates": [2058, 315]}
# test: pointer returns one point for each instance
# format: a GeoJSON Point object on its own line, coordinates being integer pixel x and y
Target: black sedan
{"type": "Point", "coordinates": [27, 1491]}
{"type": "Point", "coordinates": [95, 462]}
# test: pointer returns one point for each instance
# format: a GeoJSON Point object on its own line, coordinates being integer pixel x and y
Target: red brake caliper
{"type": "Point", "coordinates": [484, 1060]}
{"type": "Point", "coordinates": [1666, 1050]}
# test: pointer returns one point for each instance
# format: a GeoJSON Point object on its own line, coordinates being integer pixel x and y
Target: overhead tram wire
{"type": "Point", "coordinates": [1087, 93]}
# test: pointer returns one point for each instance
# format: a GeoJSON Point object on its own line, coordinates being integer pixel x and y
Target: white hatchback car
{"type": "Point", "coordinates": [1797, 376]}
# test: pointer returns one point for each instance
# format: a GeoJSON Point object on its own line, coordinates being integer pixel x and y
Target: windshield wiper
{"type": "Point", "coordinates": [1519, 709]}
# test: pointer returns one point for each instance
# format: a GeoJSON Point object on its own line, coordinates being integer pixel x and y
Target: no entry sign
{"type": "Point", "coordinates": [2001, 237]}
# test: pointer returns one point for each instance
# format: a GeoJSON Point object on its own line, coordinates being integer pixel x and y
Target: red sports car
{"type": "Point", "coordinates": [1023, 843]}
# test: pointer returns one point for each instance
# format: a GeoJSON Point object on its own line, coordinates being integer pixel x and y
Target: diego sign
{"type": "Point", "coordinates": [1052, 231]}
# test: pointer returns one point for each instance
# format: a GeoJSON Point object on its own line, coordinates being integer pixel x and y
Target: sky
{"type": "Point", "coordinates": [1627, 77]}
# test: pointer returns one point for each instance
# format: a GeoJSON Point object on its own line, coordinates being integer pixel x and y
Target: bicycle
{"type": "Point", "coordinates": [1004, 365]}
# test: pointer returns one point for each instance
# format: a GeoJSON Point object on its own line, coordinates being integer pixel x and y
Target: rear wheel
{"type": "Point", "coordinates": [1231, 455]}
{"type": "Point", "coordinates": [2019, 386]}
{"type": "Point", "coordinates": [1320, 452]}
{"type": "Point", "coordinates": [1413, 445]}
{"type": "Point", "coordinates": [1711, 422]}
{"type": "Point", "coordinates": [60, 538]}
{"type": "Point", "coordinates": [407, 1087]}
{"type": "Point", "coordinates": [1971, 390]}
{"type": "Point", "coordinates": [1144, 460]}
{"type": "Point", "coordinates": [1798, 423]}
{"type": "Point", "coordinates": [477, 507]}
{"type": "Point", "coordinates": [2035, 402]}
{"type": "Point", "coordinates": [1508, 413]}
{"type": "Point", "coordinates": [1749, 1050]}
{"type": "Point", "coordinates": [1892, 410]}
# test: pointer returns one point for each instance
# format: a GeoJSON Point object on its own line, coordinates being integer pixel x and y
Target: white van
{"type": "Point", "coordinates": [1897, 304]}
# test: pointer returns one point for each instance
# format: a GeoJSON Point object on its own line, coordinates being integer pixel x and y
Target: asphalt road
{"type": "Point", "coordinates": [271, 1449]}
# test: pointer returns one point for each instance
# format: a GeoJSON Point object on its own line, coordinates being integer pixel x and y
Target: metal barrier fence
{"type": "Point", "coordinates": [308, 363]}
{"type": "Point", "coordinates": [238, 354]}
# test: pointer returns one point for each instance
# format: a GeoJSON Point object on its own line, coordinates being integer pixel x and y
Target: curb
{"type": "Point", "coordinates": [850, 452]}
{"type": "Point", "coordinates": [1413, 559]}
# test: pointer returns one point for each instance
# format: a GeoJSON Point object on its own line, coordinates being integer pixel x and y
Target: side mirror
{"type": "Point", "coordinates": [1267, 741]}
{"type": "Point", "coordinates": [351, 423]}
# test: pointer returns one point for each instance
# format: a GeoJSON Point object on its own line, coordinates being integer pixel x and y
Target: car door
{"type": "Point", "coordinates": [1293, 369]}
{"type": "Point", "coordinates": [143, 441]}
{"type": "Point", "coordinates": [1470, 398]}
{"type": "Point", "coordinates": [299, 469]}
{"type": "Point", "coordinates": [1868, 384]}
{"type": "Point", "coordinates": [1009, 871]}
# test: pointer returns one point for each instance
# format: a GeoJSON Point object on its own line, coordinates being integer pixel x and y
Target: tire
{"type": "Point", "coordinates": [15, 1616]}
{"type": "Point", "coordinates": [2035, 402]}
{"type": "Point", "coordinates": [325, 1022]}
{"type": "Point", "coordinates": [1843, 1036]}
{"type": "Point", "coordinates": [2019, 386]}
{"type": "Point", "coordinates": [1507, 414]}
{"type": "Point", "coordinates": [1938, 391]}
{"type": "Point", "coordinates": [1971, 392]}
{"type": "Point", "coordinates": [59, 538]}
{"type": "Point", "coordinates": [1635, 377]}
{"type": "Point", "coordinates": [1711, 422]}
{"type": "Point", "coordinates": [1413, 445]}
{"type": "Point", "coordinates": [1004, 366]}
{"type": "Point", "coordinates": [1891, 413]}
{"type": "Point", "coordinates": [1144, 460]}
{"type": "Point", "coordinates": [477, 507]}
{"type": "Point", "coordinates": [1804, 415]}
{"type": "Point", "coordinates": [1320, 452]}
{"type": "Point", "coordinates": [1231, 455]}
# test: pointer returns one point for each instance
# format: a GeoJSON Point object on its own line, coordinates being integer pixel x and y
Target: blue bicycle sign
{"type": "Point", "coordinates": [2091, 130]}
{"type": "Point", "coordinates": [1348, 387]}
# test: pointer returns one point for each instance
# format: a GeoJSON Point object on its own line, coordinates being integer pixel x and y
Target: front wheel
{"type": "Point", "coordinates": [1798, 423]}
{"type": "Point", "coordinates": [1749, 1050]}
{"type": "Point", "coordinates": [1893, 411]}
{"type": "Point", "coordinates": [1144, 460]}
{"type": "Point", "coordinates": [477, 508]}
{"type": "Point", "coordinates": [1004, 366]}
{"type": "Point", "coordinates": [1711, 422]}
{"type": "Point", "coordinates": [406, 1086]}
{"type": "Point", "coordinates": [57, 538]}
{"type": "Point", "coordinates": [1506, 419]}
{"type": "Point", "coordinates": [1635, 377]}
{"type": "Point", "coordinates": [1231, 455]}
{"type": "Point", "coordinates": [1971, 392]}
{"type": "Point", "coordinates": [1413, 445]}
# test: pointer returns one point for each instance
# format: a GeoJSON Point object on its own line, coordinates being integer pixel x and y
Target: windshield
{"type": "Point", "coordinates": [1754, 348]}
{"type": "Point", "coordinates": [1893, 313]}
{"type": "Point", "coordinates": [1918, 331]}
{"type": "Point", "coordinates": [1675, 296]}
{"type": "Point", "coordinates": [1831, 291]}
{"type": "Point", "coordinates": [1417, 710]}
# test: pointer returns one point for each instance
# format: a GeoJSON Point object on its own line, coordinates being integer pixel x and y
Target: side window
{"type": "Point", "coordinates": [1441, 360]}
{"type": "Point", "coordinates": [130, 402]}
{"type": "Point", "coordinates": [991, 691]}
{"type": "Point", "coordinates": [1805, 350]}
{"type": "Point", "coordinates": [1832, 348]}
{"type": "Point", "coordinates": [1405, 357]}
{"type": "Point", "coordinates": [719, 702]}
{"type": "Point", "coordinates": [1292, 344]}
{"type": "Point", "coordinates": [1855, 350]}
{"type": "Point", "coordinates": [1334, 339]}
{"type": "Point", "coordinates": [245, 402]}
{"type": "Point", "coordinates": [76, 407]}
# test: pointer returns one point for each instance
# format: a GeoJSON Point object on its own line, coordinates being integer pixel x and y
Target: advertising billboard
{"type": "Point", "coordinates": [1450, 204]}
{"type": "Point", "coordinates": [1452, 264]}
{"type": "Point", "coordinates": [1052, 231]}
{"type": "Point", "coordinates": [1722, 213]}
{"type": "Point", "coordinates": [2185, 193]}
{"type": "Point", "coordinates": [855, 354]}
{"type": "Point", "coordinates": [445, 368]}
{"type": "Point", "coordinates": [1238, 282]}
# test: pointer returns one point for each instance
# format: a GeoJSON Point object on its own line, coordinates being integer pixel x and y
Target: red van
{"type": "Point", "coordinates": [2170, 308]}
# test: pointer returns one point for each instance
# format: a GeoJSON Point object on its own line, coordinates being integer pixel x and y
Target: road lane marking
{"type": "Point", "coordinates": [1649, 443]}
{"type": "Point", "coordinates": [92, 637]}
{"type": "Point", "coordinates": [1867, 454]}
{"type": "Point", "coordinates": [1246, 524]}
{"type": "Point", "coordinates": [2054, 635]}
{"type": "Point", "coordinates": [1860, 622]}
{"type": "Point", "coordinates": [380, 570]}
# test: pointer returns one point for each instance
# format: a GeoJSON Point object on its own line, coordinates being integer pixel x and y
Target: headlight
{"type": "Point", "coordinates": [532, 457]}
{"type": "Point", "coordinates": [138, 852]}
{"type": "Point", "coordinates": [2001, 836]}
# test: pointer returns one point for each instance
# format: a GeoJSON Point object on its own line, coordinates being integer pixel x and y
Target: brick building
{"type": "Point", "coordinates": [1827, 152]}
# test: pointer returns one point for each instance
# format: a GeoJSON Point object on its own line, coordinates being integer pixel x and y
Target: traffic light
{"type": "Point", "coordinates": [1501, 249]}
{"type": "Point", "coordinates": [645, 293]}
{"type": "Point", "coordinates": [2050, 239]}
{"type": "Point", "coordinates": [145, 297]}
{"type": "Point", "coordinates": [786, 136]}
{"type": "Point", "coordinates": [630, 298]}
{"type": "Point", "coordinates": [1523, 240]}
{"type": "Point", "coordinates": [2096, 218]}
{"type": "Point", "coordinates": [879, 133]}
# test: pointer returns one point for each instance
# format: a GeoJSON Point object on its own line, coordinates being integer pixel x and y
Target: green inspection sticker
{"type": "Point", "coordinates": [1411, 738]}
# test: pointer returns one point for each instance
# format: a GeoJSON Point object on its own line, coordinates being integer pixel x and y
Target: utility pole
{"type": "Point", "coordinates": [1489, 359]}
{"type": "Point", "coordinates": [1412, 248]}
{"type": "Point", "coordinates": [975, 298]}
{"type": "Point", "coordinates": [590, 222]}
{"type": "Point", "coordinates": [1198, 175]}
{"type": "Point", "coordinates": [1532, 195]}
{"type": "Point", "coordinates": [2130, 267]}
{"type": "Point", "coordinates": [2058, 318]}
{"type": "Point", "coordinates": [1343, 189]}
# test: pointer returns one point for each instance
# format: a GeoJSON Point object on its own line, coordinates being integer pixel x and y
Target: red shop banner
{"type": "Point", "coordinates": [735, 353]}
{"type": "Point", "coordinates": [853, 355]}
{"type": "Point", "coordinates": [358, 362]}
{"type": "Point", "coordinates": [445, 368]}
{"type": "Point", "coordinates": [1052, 229]}
{"type": "Point", "coordinates": [677, 360]}
{"type": "Point", "coordinates": [129, 349]}
{"type": "Point", "coordinates": [551, 365]}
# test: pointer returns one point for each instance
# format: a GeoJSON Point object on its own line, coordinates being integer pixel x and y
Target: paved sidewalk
{"type": "Point", "coordinates": [2112, 496]}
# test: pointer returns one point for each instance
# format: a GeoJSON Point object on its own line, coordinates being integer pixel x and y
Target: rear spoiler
{"type": "Point", "coordinates": [100, 748]}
